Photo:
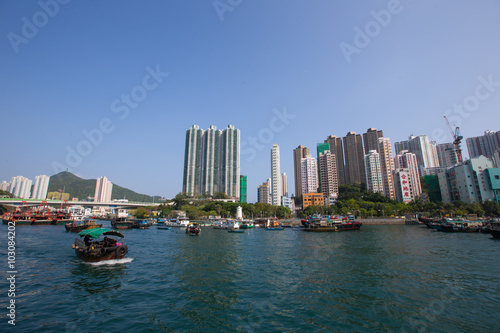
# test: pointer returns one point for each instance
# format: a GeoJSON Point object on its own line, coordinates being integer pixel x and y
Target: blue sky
{"type": "Point", "coordinates": [67, 70]}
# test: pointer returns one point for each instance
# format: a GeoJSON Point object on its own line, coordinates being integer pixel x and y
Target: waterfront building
{"type": "Point", "coordinates": [312, 199]}
{"type": "Point", "coordinates": [263, 193]}
{"type": "Point", "coordinates": [485, 145]}
{"type": "Point", "coordinates": [309, 171]}
{"type": "Point", "coordinates": [328, 175]}
{"type": "Point", "coordinates": [467, 182]}
{"type": "Point", "coordinates": [387, 167]}
{"type": "Point", "coordinates": [212, 161]}
{"type": "Point", "coordinates": [287, 202]}
{"type": "Point", "coordinates": [353, 155]}
{"type": "Point", "coordinates": [284, 184]}
{"type": "Point", "coordinates": [103, 190]}
{"type": "Point", "coordinates": [493, 176]}
{"type": "Point", "coordinates": [447, 155]}
{"type": "Point", "coordinates": [403, 185]}
{"type": "Point", "coordinates": [373, 172]}
{"type": "Point", "coordinates": [275, 175]}
{"type": "Point", "coordinates": [243, 188]}
{"type": "Point", "coordinates": [370, 139]}
{"type": "Point", "coordinates": [432, 183]}
{"type": "Point", "coordinates": [407, 160]}
{"type": "Point", "coordinates": [298, 154]}
{"type": "Point", "coordinates": [40, 187]}
{"type": "Point", "coordinates": [20, 187]}
{"type": "Point", "coordinates": [336, 148]}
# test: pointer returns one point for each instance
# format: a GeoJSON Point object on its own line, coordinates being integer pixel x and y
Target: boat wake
{"type": "Point", "coordinates": [112, 262]}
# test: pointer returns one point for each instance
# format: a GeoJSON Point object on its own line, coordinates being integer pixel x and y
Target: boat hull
{"type": "Point", "coordinates": [100, 254]}
{"type": "Point", "coordinates": [80, 227]}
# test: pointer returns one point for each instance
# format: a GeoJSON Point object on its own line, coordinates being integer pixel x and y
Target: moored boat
{"type": "Point", "coordinates": [140, 224]}
{"type": "Point", "coordinates": [193, 229]}
{"type": "Point", "coordinates": [122, 223]}
{"type": "Point", "coordinates": [93, 248]}
{"type": "Point", "coordinates": [77, 227]}
{"type": "Point", "coordinates": [273, 225]}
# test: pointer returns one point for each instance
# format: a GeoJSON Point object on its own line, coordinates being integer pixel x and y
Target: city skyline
{"type": "Point", "coordinates": [114, 98]}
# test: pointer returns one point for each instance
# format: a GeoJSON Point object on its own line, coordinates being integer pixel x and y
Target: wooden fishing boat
{"type": "Point", "coordinates": [77, 227]}
{"type": "Point", "coordinates": [193, 229]}
{"type": "Point", "coordinates": [122, 223]}
{"type": "Point", "coordinates": [97, 246]}
{"type": "Point", "coordinates": [140, 224]}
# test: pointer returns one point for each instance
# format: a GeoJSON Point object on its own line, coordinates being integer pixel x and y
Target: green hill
{"type": "Point", "coordinates": [83, 188]}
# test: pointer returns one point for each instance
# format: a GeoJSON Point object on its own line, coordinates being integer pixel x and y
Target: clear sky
{"type": "Point", "coordinates": [135, 75]}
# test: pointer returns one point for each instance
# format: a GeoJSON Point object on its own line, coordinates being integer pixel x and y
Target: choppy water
{"type": "Point", "coordinates": [382, 278]}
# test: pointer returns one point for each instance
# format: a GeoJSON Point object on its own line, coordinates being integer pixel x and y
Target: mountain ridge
{"type": "Point", "coordinates": [83, 188]}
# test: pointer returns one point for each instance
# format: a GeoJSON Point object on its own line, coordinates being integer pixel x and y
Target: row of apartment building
{"type": "Point", "coordinates": [22, 187]}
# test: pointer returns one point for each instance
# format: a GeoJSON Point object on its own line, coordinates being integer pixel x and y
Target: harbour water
{"type": "Point", "coordinates": [383, 278]}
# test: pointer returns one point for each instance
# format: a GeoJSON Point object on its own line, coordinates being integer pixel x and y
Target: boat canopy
{"type": "Point", "coordinates": [96, 232]}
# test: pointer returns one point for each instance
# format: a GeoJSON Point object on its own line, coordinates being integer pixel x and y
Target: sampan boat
{"type": "Point", "coordinates": [97, 246]}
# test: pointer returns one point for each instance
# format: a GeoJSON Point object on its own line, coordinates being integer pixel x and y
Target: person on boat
{"type": "Point", "coordinates": [86, 239]}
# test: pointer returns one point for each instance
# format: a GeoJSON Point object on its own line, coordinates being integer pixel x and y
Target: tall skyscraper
{"type": "Point", "coordinates": [426, 152]}
{"type": "Point", "coordinates": [191, 183]}
{"type": "Point", "coordinates": [370, 139]}
{"type": "Point", "coordinates": [309, 170]}
{"type": "Point", "coordinates": [103, 190]}
{"type": "Point", "coordinates": [353, 155]}
{"type": "Point", "coordinates": [40, 188]}
{"type": "Point", "coordinates": [298, 154]}
{"type": "Point", "coordinates": [230, 138]}
{"type": "Point", "coordinates": [20, 187]}
{"type": "Point", "coordinates": [212, 161]}
{"type": "Point", "coordinates": [321, 148]}
{"type": "Point", "coordinates": [275, 175]}
{"type": "Point", "coordinates": [328, 171]}
{"type": "Point", "coordinates": [284, 184]}
{"type": "Point", "coordinates": [386, 167]}
{"type": "Point", "coordinates": [336, 148]}
{"type": "Point", "coordinates": [447, 154]}
{"type": "Point", "coordinates": [407, 160]}
{"type": "Point", "coordinates": [373, 172]}
{"type": "Point", "coordinates": [485, 145]}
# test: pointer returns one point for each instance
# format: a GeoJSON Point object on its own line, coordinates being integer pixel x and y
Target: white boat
{"type": "Point", "coordinates": [226, 224]}
{"type": "Point", "coordinates": [178, 222]}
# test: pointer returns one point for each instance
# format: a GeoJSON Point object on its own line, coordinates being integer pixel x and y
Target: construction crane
{"type": "Point", "coordinates": [457, 138]}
